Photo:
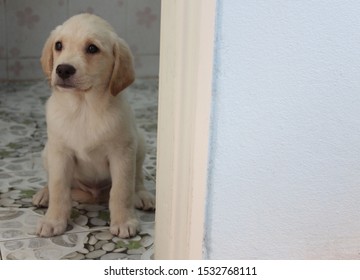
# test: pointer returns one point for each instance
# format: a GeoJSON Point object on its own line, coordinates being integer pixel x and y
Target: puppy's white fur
{"type": "Point", "coordinates": [94, 151]}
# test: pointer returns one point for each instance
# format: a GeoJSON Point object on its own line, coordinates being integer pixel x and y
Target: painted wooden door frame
{"type": "Point", "coordinates": [185, 89]}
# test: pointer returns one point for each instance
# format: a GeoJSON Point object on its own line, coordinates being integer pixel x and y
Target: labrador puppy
{"type": "Point", "coordinates": [94, 151]}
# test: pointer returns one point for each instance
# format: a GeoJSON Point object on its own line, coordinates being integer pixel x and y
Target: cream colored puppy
{"type": "Point", "coordinates": [94, 151]}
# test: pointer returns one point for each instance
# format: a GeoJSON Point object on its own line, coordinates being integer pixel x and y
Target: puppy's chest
{"type": "Point", "coordinates": [91, 164]}
{"type": "Point", "coordinates": [89, 139]}
{"type": "Point", "coordinates": [82, 131]}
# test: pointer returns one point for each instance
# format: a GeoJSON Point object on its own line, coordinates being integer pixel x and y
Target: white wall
{"type": "Point", "coordinates": [285, 148]}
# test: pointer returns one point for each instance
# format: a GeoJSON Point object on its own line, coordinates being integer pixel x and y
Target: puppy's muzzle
{"type": "Point", "coordinates": [65, 71]}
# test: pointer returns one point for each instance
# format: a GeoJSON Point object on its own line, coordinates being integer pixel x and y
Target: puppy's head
{"type": "Point", "coordinates": [84, 53]}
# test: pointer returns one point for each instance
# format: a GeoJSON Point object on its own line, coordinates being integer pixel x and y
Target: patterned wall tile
{"type": "Point", "coordinates": [143, 25]}
{"type": "Point", "coordinates": [3, 55]}
{"type": "Point", "coordinates": [3, 70]}
{"type": "Point", "coordinates": [29, 23]}
{"type": "Point", "coordinates": [147, 66]}
{"type": "Point", "coordinates": [2, 30]}
{"type": "Point", "coordinates": [25, 25]}
{"type": "Point", "coordinates": [113, 11]}
{"type": "Point", "coordinates": [24, 69]}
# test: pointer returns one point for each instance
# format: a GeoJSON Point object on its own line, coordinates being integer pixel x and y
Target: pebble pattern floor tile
{"type": "Point", "coordinates": [22, 138]}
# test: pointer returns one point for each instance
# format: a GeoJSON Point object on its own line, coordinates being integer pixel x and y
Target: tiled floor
{"type": "Point", "coordinates": [22, 137]}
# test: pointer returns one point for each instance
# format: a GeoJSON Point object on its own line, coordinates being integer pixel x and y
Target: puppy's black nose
{"type": "Point", "coordinates": [64, 71]}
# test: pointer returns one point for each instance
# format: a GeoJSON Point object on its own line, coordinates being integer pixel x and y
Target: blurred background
{"type": "Point", "coordinates": [25, 25]}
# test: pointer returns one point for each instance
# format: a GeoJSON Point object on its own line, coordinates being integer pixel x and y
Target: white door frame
{"type": "Point", "coordinates": [185, 90]}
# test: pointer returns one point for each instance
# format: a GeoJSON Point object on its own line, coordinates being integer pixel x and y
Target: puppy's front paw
{"type": "Point", "coordinates": [144, 200]}
{"type": "Point", "coordinates": [125, 229]}
{"type": "Point", "coordinates": [41, 198]}
{"type": "Point", "coordinates": [49, 227]}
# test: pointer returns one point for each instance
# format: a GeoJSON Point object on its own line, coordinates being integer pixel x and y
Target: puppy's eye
{"type": "Point", "coordinates": [58, 46]}
{"type": "Point", "coordinates": [92, 49]}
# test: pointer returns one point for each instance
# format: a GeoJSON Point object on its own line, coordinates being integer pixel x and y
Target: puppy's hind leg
{"type": "Point", "coordinates": [144, 200]}
{"type": "Point", "coordinates": [41, 198]}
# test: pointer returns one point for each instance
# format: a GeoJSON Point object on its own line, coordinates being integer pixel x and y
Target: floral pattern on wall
{"type": "Point", "coordinates": [25, 25]}
{"type": "Point", "coordinates": [146, 17]}
{"type": "Point", "coordinates": [27, 18]}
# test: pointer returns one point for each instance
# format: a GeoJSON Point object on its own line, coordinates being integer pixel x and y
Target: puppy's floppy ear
{"type": "Point", "coordinates": [123, 73]}
{"type": "Point", "coordinates": [47, 59]}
